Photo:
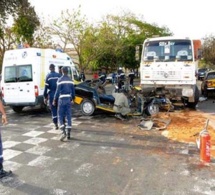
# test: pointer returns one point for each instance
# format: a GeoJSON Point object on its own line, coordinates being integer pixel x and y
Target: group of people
{"type": "Point", "coordinates": [60, 91]}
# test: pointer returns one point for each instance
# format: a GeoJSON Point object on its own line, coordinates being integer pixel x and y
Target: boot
{"type": "Point", "coordinates": [63, 136]}
{"type": "Point", "coordinates": [56, 126]}
{"type": "Point", "coordinates": [68, 136]}
{"type": "Point", "coordinates": [68, 133]}
{"type": "Point", "coordinates": [4, 173]}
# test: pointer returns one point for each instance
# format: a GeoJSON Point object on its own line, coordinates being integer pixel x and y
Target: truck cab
{"type": "Point", "coordinates": [169, 65]}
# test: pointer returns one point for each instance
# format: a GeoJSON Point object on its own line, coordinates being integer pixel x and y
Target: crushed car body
{"type": "Point", "coordinates": [91, 96]}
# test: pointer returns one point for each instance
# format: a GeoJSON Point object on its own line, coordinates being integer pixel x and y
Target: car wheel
{"type": "Point", "coordinates": [87, 107]}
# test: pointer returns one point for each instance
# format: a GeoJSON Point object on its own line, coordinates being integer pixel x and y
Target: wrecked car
{"type": "Point", "coordinates": [91, 96]}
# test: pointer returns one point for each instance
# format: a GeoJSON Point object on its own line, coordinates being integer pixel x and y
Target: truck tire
{"type": "Point", "coordinates": [196, 99]}
{"type": "Point", "coordinates": [205, 92]}
{"type": "Point", "coordinates": [17, 109]}
{"type": "Point", "coordinates": [87, 107]}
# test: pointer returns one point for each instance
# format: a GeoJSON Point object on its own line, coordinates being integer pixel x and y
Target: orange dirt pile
{"type": "Point", "coordinates": [185, 126]}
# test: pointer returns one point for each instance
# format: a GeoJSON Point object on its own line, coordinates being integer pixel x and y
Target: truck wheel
{"type": "Point", "coordinates": [17, 109]}
{"type": "Point", "coordinates": [196, 97]}
{"type": "Point", "coordinates": [205, 92]}
{"type": "Point", "coordinates": [152, 109]}
{"type": "Point", "coordinates": [87, 107]}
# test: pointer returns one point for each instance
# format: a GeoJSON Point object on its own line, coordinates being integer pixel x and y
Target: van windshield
{"type": "Point", "coordinates": [20, 73]}
{"type": "Point", "coordinates": [72, 72]}
{"type": "Point", "coordinates": [75, 73]}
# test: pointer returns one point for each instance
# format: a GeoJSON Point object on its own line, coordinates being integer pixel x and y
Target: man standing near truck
{"type": "Point", "coordinates": [50, 88]}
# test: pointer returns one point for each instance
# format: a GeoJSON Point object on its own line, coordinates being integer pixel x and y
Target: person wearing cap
{"type": "Point", "coordinates": [50, 88]}
{"type": "Point", "coordinates": [121, 104]}
{"type": "Point", "coordinates": [65, 94]}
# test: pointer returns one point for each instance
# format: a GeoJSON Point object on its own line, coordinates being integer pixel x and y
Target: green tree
{"type": "Point", "coordinates": [69, 31]}
{"type": "Point", "coordinates": [117, 38]}
{"type": "Point", "coordinates": [7, 40]}
{"type": "Point", "coordinates": [7, 7]}
{"type": "Point", "coordinates": [42, 37]}
{"type": "Point", "coordinates": [109, 44]}
{"type": "Point", "coordinates": [208, 49]}
{"type": "Point", "coordinates": [25, 22]}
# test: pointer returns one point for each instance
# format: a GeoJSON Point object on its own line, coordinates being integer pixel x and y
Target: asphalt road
{"type": "Point", "coordinates": [105, 157]}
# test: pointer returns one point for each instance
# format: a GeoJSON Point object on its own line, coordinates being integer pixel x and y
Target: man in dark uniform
{"type": "Point", "coordinates": [65, 94]}
{"type": "Point", "coordinates": [50, 88]}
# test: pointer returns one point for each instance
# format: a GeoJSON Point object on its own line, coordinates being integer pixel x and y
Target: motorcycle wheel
{"type": "Point", "coordinates": [152, 109]}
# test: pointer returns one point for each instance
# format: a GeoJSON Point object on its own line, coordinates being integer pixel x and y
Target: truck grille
{"type": "Point", "coordinates": [166, 75]}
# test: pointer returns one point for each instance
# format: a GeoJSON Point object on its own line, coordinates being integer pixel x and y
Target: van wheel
{"type": "Point", "coordinates": [87, 107]}
{"type": "Point", "coordinates": [17, 109]}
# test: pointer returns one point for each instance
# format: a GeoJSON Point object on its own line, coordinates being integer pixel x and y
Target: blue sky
{"type": "Point", "coordinates": [184, 18]}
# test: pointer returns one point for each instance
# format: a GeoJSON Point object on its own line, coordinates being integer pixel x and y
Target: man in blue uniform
{"type": "Point", "coordinates": [50, 88]}
{"type": "Point", "coordinates": [65, 94]}
{"type": "Point", "coordinates": [3, 173]}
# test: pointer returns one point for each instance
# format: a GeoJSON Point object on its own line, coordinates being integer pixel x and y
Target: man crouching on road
{"type": "Point", "coordinates": [121, 105]}
{"type": "Point", "coordinates": [65, 94]}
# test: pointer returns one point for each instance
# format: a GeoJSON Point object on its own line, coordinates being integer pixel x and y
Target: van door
{"type": "Point", "coordinates": [19, 86]}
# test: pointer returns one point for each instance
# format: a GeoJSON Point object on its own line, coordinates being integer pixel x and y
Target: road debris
{"type": "Point", "coordinates": [154, 123]}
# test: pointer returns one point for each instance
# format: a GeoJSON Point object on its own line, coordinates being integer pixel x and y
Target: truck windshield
{"type": "Point", "coordinates": [21, 73]}
{"type": "Point", "coordinates": [168, 50]}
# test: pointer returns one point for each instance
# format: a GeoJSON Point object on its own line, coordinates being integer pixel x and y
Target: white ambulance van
{"type": "Point", "coordinates": [24, 72]}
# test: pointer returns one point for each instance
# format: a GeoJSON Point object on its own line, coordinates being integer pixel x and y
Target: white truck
{"type": "Point", "coordinates": [24, 72]}
{"type": "Point", "coordinates": [168, 67]}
